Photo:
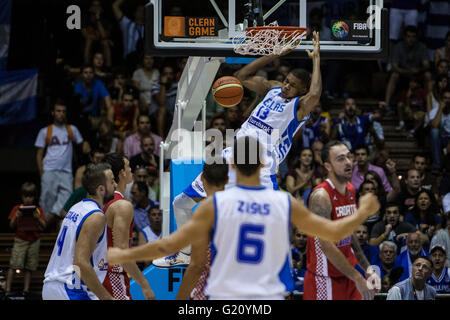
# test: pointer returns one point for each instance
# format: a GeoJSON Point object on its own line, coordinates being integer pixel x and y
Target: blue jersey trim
{"type": "Point", "coordinates": [92, 200]}
{"type": "Point", "coordinates": [82, 221]}
{"type": "Point", "coordinates": [250, 188]}
{"type": "Point", "coordinates": [286, 275]}
{"type": "Point", "coordinates": [213, 231]}
{"type": "Point", "coordinates": [273, 177]}
{"type": "Point", "coordinates": [76, 294]}
{"type": "Point", "coordinates": [190, 192]}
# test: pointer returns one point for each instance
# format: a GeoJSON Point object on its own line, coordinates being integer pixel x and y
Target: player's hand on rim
{"type": "Point", "coordinates": [316, 43]}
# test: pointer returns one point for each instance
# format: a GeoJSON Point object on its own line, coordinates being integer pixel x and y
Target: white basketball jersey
{"type": "Point", "coordinates": [274, 123]}
{"type": "Point", "coordinates": [60, 267]}
{"type": "Point", "coordinates": [250, 245]}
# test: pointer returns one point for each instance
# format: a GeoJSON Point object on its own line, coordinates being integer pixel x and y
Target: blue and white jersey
{"type": "Point", "coordinates": [149, 235]}
{"type": "Point", "coordinates": [274, 123]}
{"type": "Point", "coordinates": [441, 284]}
{"type": "Point", "coordinates": [60, 267]}
{"type": "Point", "coordinates": [196, 189]}
{"type": "Point", "coordinates": [251, 256]}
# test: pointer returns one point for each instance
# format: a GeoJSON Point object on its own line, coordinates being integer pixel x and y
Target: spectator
{"type": "Point", "coordinates": [442, 70]}
{"type": "Point", "coordinates": [442, 238]}
{"type": "Point", "coordinates": [95, 156]}
{"type": "Point", "coordinates": [302, 177]}
{"type": "Point", "coordinates": [373, 177]}
{"type": "Point", "coordinates": [443, 52]}
{"type": "Point", "coordinates": [390, 228]}
{"type": "Point", "coordinates": [412, 106]}
{"type": "Point", "coordinates": [153, 183]}
{"type": "Point", "coordinates": [388, 281]}
{"type": "Point", "coordinates": [317, 147]}
{"type": "Point", "coordinates": [148, 175]}
{"type": "Point", "coordinates": [92, 93]}
{"type": "Point", "coordinates": [316, 128]}
{"type": "Point", "coordinates": [440, 277]}
{"type": "Point", "coordinates": [132, 144]}
{"type": "Point", "coordinates": [101, 71]}
{"type": "Point", "coordinates": [132, 30]}
{"type": "Point", "coordinates": [415, 287]}
{"type": "Point", "coordinates": [126, 113]}
{"type": "Point", "coordinates": [402, 13]}
{"type": "Point", "coordinates": [146, 157]}
{"type": "Point", "coordinates": [28, 219]}
{"type": "Point", "coordinates": [406, 198]}
{"type": "Point", "coordinates": [414, 249]}
{"type": "Point", "coordinates": [366, 187]}
{"type": "Point", "coordinates": [427, 180]}
{"type": "Point", "coordinates": [232, 117]}
{"type": "Point", "coordinates": [424, 215]}
{"type": "Point", "coordinates": [387, 255]}
{"type": "Point", "coordinates": [437, 15]}
{"type": "Point", "coordinates": [144, 78]}
{"type": "Point", "coordinates": [165, 93]}
{"type": "Point", "coordinates": [435, 96]}
{"type": "Point", "coordinates": [371, 252]}
{"type": "Point", "coordinates": [409, 58]}
{"type": "Point", "coordinates": [141, 204]}
{"type": "Point", "coordinates": [152, 231]}
{"type": "Point", "coordinates": [351, 128]}
{"type": "Point", "coordinates": [363, 166]}
{"type": "Point", "coordinates": [298, 251]}
{"type": "Point", "coordinates": [440, 130]}
{"type": "Point", "coordinates": [96, 33]}
{"type": "Point", "coordinates": [55, 168]}
{"type": "Point", "coordinates": [119, 84]}
{"type": "Point", "coordinates": [105, 140]}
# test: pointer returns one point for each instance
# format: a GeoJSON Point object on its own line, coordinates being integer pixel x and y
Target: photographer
{"type": "Point", "coordinates": [28, 220]}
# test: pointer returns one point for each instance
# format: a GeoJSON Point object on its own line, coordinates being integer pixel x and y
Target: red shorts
{"type": "Point", "coordinates": [326, 288]}
{"type": "Point", "coordinates": [118, 285]}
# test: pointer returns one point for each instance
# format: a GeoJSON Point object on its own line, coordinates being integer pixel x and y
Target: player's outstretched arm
{"type": "Point", "coordinates": [314, 225]}
{"type": "Point", "coordinates": [92, 229]}
{"type": "Point", "coordinates": [312, 98]}
{"type": "Point", "coordinates": [195, 229]}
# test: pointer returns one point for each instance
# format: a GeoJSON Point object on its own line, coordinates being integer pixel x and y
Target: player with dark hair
{"type": "Point", "coordinates": [250, 235]}
{"type": "Point", "coordinates": [331, 273]}
{"type": "Point", "coordinates": [119, 216]}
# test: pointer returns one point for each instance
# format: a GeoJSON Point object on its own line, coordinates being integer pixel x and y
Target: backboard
{"type": "Point", "coordinates": [349, 29]}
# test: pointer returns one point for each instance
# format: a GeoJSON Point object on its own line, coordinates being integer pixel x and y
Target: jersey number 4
{"type": "Point", "coordinates": [60, 241]}
{"type": "Point", "coordinates": [250, 248]}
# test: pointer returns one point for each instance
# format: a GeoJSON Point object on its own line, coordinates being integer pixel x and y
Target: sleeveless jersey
{"type": "Point", "coordinates": [60, 267]}
{"type": "Point", "coordinates": [196, 189]}
{"type": "Point", "coordinates": [441, 285]}
{"type": "Point", "coordinates": [274, 123]}
{"type": "Point", "coordinates": [342, 205]}
{"type": "Point", "coordinates": [250, 244]}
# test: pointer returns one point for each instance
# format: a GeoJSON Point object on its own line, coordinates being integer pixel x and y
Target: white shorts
{"type": "Point", "coordinates": [55, 290]}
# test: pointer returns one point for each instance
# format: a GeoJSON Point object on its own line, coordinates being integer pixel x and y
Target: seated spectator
{"type": "Point", "coordinates": [371, 252]}
{"type": "Point", "coordinates": [412, 106]}
{"type": "Point", "coordinates": [440, 130]}
{"type": "Point", "coordinates": [126, 113]}
{"type": "Point", "coordinates": [144, 78]}
{"type": "Point", "coordinates": [152, 231]}
{"type": "Point", "coordinates": [164, 92]}
{"type": "Point", "coordinates": [95, 156]}
{"type": "Point", "coordinates": [375, 135]}
{"type": "Point", "coordinates": [373, 177]}
{"type": "Point", "coordinates": [409, 58]}
{"type": "Point", "coordinates": [141, 205]}
{"type": "Point", "coordinates": [440, 276]}
{"type": "Point", "coordinates": [442, 238]}
{"type": "Point", "coordinates": [302, 176]}
{"type": "Point", "coordinates": [298, 251]}
{"type": "Point", "coordinates": [415, 286]}
{"type": "Point", "coordinates": [92, 94]}
{"type": "Point", "coordinates": [366, 187]}
{"type": "Point", "coordinates": [406, 198]}
{"type": "Point", "coordinates": [119, 84]}
{"type": "Point", "coordinates": [147, 157]}
{"type": "Point", "coordinates": [441, 71]}
{"type": "Point", "coordinates": [148, 175]}
{"type": "Point", "coordinates": [351, 128]}
{"type": "Point", "coordinates": [386, 258]}
{"type": "Point", "coordinates": [363, 166]}
{"type": "Point", "coordinates": [101, 70]}
{"type": "Point", "coordinates": [424, 215]}
{"type": "Point", "coordinates": [28, 220]}
{"type": "Point", "coordinates": [390, 228]}
{"type": "Point", "coordinates": [434, 97]}
{"type": "Point", "coordinates": [427, 180]}
{"type": "Point", "coordinates": [414, 249]}
{"type": "Point", "coordinates": [105, 140]}
{"type": "Point", "coordinates": [443, 52]}
{"type": "Point", "coordinates": [317, 128]}
{"type": "Point", "coordinates": [388, 281]}
{"type": "Point", "coordinates": [132, 144]}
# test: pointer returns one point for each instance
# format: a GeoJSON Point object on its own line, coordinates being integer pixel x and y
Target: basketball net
{"type": "Point", "coordinates": [268, 40]}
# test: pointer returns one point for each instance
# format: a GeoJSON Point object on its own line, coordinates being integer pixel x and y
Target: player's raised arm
{"type": "Point", "coordinates": [312, 98]}
{"type": "Point", "coordinates": [194, 230]}
{"type": "Point", "coordinates": [315, 225]}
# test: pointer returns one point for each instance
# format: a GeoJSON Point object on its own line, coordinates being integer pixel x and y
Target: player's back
{"type": "Point", "coordinates": [60, 267]}
{"type": "Point", "coordinates": [250, 245]}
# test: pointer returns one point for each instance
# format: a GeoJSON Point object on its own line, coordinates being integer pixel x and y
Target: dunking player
{"type": "Point", "coordinates": [78, 265]}
{"type": "Point", "coordinates": [331, 273]}
{"type": "Point", "coordinates": [250, 239]}
{"type": "Point", "coordinates": [275, 120]}
{"type": "Point", "coordinates": [119, 221]}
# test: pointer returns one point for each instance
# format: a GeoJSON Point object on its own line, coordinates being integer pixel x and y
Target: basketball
{"type": "Point", "coordinates": [227, 91]}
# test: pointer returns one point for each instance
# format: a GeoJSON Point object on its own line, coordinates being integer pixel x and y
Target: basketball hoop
{"type": "Point", "coordinates": [268, 40]}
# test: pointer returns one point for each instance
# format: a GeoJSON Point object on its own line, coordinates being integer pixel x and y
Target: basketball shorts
{"type": "Point", "coordinates": [118, 285]}
{"type": "Point", "coordinates": [327, 288]}
{"type": "Point", "coordinates": [56, 290]}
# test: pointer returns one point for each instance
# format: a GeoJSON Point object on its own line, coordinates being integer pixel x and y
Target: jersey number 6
{"type": "Point", "coordinates": [250, 250]}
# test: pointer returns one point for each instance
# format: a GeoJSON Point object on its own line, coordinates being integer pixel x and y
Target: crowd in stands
{"type": "Point", "coordinates": [126, 104]}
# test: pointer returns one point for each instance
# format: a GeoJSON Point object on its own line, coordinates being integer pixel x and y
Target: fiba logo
{"type": "Point", "coordinates": [340, 29]}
